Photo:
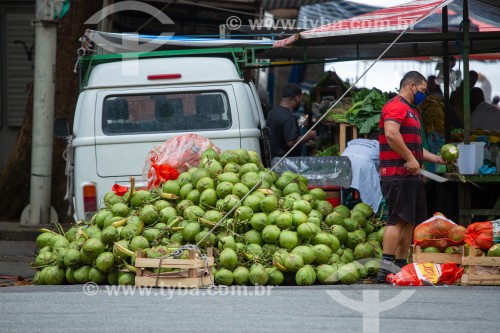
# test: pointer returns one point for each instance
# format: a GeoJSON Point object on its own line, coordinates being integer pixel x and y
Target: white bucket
{"type": "Point", "coordinates": [471, 157]}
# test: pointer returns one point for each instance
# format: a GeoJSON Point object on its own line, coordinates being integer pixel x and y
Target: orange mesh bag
{"type": "Point", "coordinates": [439, 232]}
{"type": "Point", "coordinates": [483, 234]}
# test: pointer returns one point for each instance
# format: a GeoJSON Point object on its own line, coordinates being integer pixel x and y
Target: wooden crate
{"type": "Point", "coordinates": [471, 264]}
{"type": "Point", "coordinates": [193, 274]}
{"type": "Point", "coordinates": [420, 257]}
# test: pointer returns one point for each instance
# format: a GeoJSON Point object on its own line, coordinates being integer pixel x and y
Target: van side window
{"type": "Point", "coordinates": [201, 111]}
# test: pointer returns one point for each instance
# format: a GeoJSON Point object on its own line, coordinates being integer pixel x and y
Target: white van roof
{"type": "Point", "coordinates": [162, 71]}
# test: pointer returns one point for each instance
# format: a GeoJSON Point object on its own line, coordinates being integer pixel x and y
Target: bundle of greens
{"type": "Point", "coordinates": [333, 150]}
{"type": "Point", "coordinates": [365, 111]}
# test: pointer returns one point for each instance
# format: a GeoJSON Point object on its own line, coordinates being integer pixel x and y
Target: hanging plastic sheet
{"type": "Point", "coordinates": [319, 170]}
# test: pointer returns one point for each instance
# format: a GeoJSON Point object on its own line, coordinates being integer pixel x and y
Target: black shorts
{"type": "Point", "coordinates": [405, 200]}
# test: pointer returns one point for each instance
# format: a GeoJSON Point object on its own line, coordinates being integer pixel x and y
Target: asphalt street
{"type": "Point", "coordinates": [280, 309]}
{"type": "Point", "coordinates": [335, 308]}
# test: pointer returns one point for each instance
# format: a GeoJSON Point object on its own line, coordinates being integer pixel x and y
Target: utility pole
{"type": "Point", "coordinates": [39, 209]}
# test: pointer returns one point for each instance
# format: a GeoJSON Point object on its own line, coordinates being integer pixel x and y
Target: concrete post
{"type": "Point", "coordinates": [43, 116]}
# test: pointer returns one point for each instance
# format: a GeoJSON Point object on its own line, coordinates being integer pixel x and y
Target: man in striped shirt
{"type": "Point", "coordinates": [401, 156]}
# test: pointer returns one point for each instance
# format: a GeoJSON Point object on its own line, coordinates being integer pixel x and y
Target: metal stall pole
{"type": "Point", "coordinates": [467, 86]}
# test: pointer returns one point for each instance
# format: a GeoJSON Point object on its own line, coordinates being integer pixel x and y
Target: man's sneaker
{"type": "Point", "coordinates": [382, 275]}
{"type": "Point", "coordinates": [386, 267]}
{"type": "Point", "coordinates": [401, 262]}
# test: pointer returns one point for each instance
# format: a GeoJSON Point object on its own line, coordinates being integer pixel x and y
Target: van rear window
{"type": "Point", "coordinates": [200, 111]}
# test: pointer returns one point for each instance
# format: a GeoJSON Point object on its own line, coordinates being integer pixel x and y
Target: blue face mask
{"type": "Point", "coordinates": [419, 97]}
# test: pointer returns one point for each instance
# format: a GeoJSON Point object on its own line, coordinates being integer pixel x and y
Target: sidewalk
{"type": "Point", "coordinates": [18, 250]}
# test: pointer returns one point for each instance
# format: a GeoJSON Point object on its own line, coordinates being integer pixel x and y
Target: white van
{"type": "Point", "coordinates": [128, 108]}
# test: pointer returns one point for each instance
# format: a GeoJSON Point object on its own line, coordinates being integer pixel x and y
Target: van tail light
{"type": "Point", "coordinates": [164, 76]}
{"type": "Point", "coordinates": [89, 198]}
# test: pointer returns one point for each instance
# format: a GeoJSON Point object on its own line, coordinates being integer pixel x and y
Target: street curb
{"type": "Point", "coordinates": [14, 231]}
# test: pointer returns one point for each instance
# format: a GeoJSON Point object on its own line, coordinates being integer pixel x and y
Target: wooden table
{"type": "Point", "coordinates": [465, 210]}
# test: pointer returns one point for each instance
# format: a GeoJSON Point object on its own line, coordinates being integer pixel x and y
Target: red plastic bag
{"type": "Point", "coordinates": [175, 156]}
{"type": "Point", "coordinates": [483, 234]}
{"type": "Point", "coordinates": [440, 232]}
{"type": "Point", "coordinates": [426, 274]}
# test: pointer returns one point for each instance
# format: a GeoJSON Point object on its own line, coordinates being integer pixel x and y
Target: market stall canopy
{"type": "Point", "coordinates": [312, 16]}
{"type": "Point", "coordinates": [397, 18]}
{"type": "Point", "coordinates": [367, 36]}
{"type": "Point", "coordinates": [337, 41]}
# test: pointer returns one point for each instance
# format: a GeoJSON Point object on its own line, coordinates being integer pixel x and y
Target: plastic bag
{"type": "Point", "coordinates": [175, 156]}
{"type": "Point", "coordinates": [427, 274]}
{"type": "Point", "coordinates": [318, 170]}
{"type": "Point", "coordinates": [440, 232]}
{"type": "Point", "coordinates": [483, 234]}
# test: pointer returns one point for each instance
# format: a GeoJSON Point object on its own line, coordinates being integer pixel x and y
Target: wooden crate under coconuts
{"type": "Point", "coordinates": [480, 270]}
{"type": "Point", "coordinates": [197, 271]}
{"type": "Point", "coordinates": [419, 257]}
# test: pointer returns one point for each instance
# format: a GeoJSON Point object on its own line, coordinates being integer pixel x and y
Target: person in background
{"type": "Point", "coordinates": [485, 86]}
{"type": "Point", "coordinates": [457, 97]}
{"type": "Point", "coordinates": [401, 156]}
{"type": "Point", "coordinates": [495, 100]}
{"type": "Point", "coordinates": [484, 115]}
{"type": "Point", "coordinates": [283, 125]}
{"type": "Point", "coordinates": [432, 86]}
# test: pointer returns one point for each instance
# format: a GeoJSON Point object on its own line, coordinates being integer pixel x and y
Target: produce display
{"type": "Point", "coordinates": [491, 137]}
{"type": "Point", "coordinates": [365, 111]}
{"type": "Point", "coordinates": [333, 150]}
{"type": "Point", "coordinates": [485, 236]}
{"type": "Point", "coordinates": [279, 233]}
{"type": "Point", "coordinates": [439, 234]}
{"type": "Point", "coordinates": [432, 110]}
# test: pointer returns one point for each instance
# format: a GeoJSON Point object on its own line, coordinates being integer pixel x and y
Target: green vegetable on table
{"type": "Point", "coordinates": [333, 150]}
{"type": "Point", "coordinates": [365, 112]}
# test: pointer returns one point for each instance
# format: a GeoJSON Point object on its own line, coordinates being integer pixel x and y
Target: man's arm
{"type": "Point", "coordinates": [433, 158]}
{"type": "Point", "coordinates": [308, 136]}
{"type": "Point", "coordinates": [396, 142]}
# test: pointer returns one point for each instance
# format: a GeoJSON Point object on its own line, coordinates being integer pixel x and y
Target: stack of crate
{"type": "Point", "coordinates": [480, 270]}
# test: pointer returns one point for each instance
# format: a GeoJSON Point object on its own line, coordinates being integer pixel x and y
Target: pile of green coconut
{"type": "Point", "coordinates": [265, 229]}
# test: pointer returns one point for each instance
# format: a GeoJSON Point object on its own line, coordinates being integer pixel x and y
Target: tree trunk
{"type": "Point", "coordinates": [15, 178]}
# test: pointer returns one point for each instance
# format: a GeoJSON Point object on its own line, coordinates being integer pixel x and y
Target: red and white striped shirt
{"type": "Point", "coordinates": [400, 111]}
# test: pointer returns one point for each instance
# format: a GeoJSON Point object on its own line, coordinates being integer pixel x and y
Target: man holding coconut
{"type": "Point", "coordinates": [401, 156]}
